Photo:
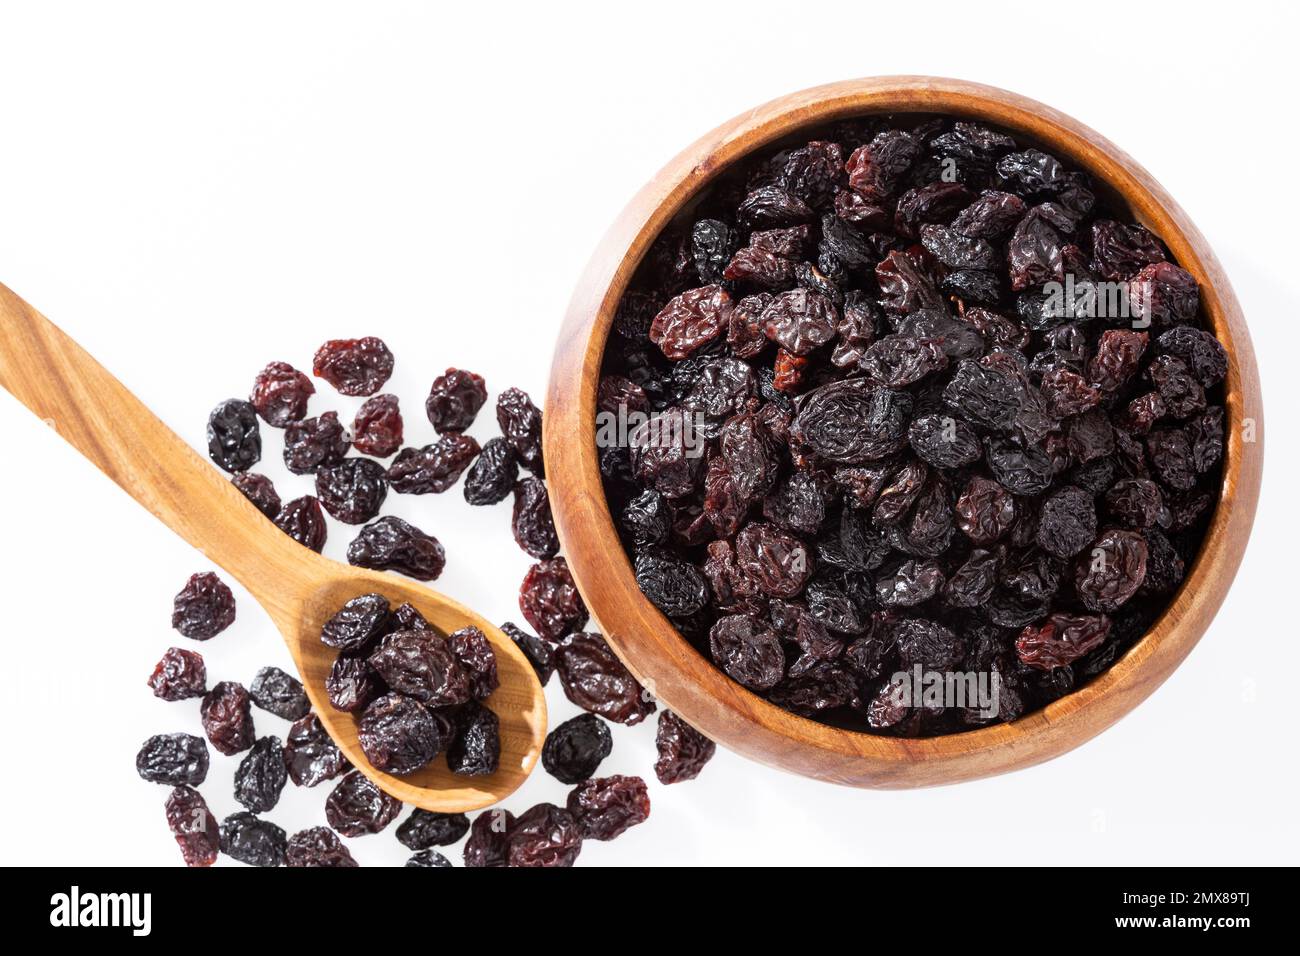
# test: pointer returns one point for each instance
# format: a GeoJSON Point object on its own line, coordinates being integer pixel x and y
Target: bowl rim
{"type": "Point", "coordinates": [703, 695]}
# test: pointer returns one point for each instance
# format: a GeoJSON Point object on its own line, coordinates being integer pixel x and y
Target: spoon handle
{"type": "Point", "coordinates": [54, 377]}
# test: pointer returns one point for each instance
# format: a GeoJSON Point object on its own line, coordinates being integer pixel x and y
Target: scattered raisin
{"type": "Point", "coordinates": [204, 607]}
{"type": "Point", "coordinates": [355, 367]}
{"type": "Point", "coordinates": [280, 394]}
{"type": "Point", "coordinates": [454, 400]}
{"type": "Point", "coordinates": [377, 429]}
{"type": "Point", "coordinates": [391, 544]}
{"type": "Point", "coordinates": [573, 750]}
{"type": "Point", "coordinates": [179, 675]}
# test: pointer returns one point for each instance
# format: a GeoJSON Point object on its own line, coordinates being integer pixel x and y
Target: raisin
{"type": "Point", "coordinates": [944, 441]}
{"type": "Point", "coordinates": [398, 734]}
{"type": "Point", "coordinates": [647, 519]}
{"type": "Point", "coordinates": [521, 426]}
{"type": "Point", "coordinates": [493, 474]}
{"type": "Point", "coordinates": [317, 847]}
{"type": "Point", "coordinates": [377, 429]}
{"type": "Point", "coordinates": [279, 693]}
{"type": "Point", "coordinates": [814, 172]}
{"type": "Point", "coordinates": [179, 675]}
{"type": "Point", "coordinates": [597, 681]}
{"type": "Point", "coordinates": [990, 216]}
{"type": "Point", "coordinates": [228, 717]}
{"type": "Point", "coordinates": [1199, 349]}
{"type": "Point", "coordinates": [280, 394]}
{"type": "Point", "coordinates": [778, 562]}
{"type": "Point", "coordinates": [531, 521]}
{"type": "Point", "coordinates": [253, 841]}
{"type": "Point", "coordinates": [1111, 572]}
{"type": "Point", "coordinates": [607, 807]}
{"type": "Point", "coordinates": [1206, 434]}
{"type": "Point", "coordinates": [850, 422]}
{"type": "Point", "coordinates": [544, 836]}
{"type": "Point", "coordinates": [315, 442]}
{"type": "Point", "coordinates": [421, 664]}
{"type": "Point", "coordinates": [194, 827]}
{"type": "Point", "coordinates": [428, 858]}
{"type": "Point", "coordinates": [454, 400]}
{"type": "Point", "coordinates": [972, 584]}
{"type": "Point", "coordinates": [712, 243]}
{"type": "Point", "coordinates": [260, 490]}
{"type": "Point", "coordinates": [261, 776]}
{"type": "Point", "coordinates": [352, 491]}
{"type": "Point", "coordinates": [173, 759]}
{"type": "Point", "coordinates": [1165, 294]}
{"type": "Point", "coordinates": [573, 750]}
{"type": "Point", "coordinates": [356, 806]}
{"type": "Point", "coordinates": [875, 170]}
{"type": "Point", "coordinates": [927, 643]}
{"type": "Point", "coordinates": [391, 544]}
{"type": "Point", "coordinates": [433, 469]}
{"type": "Point", "coordinates": [474, 653]}
{"type": "Point", "coordinates": [356, 367]}
{"type": "Point", "coordinates": [1182, 395]}
{"type": "Point", "coordinates": [357, 624]}
{"type": "Point", "coordinates": [424, 829]}
{"type": "Point", "coordinates": [691, 320]}
{"type": "Point", "coordinates": [750, 655]}
{"type": "Point", "coordinates": [303, 520]}
{"type": "Point", "coordinates": [910, 584]}
{"type": "Point", "coordinates": [672, 585]}
{"type": "Point", "coordinates": [204, 607]}
{"type": "Point", "coordinates": [549, 600]}
{"type": "Point", "coordinates": [897, 361]}
{"type": "Point", "coordinates": [352, 684]}
{"type": "Point", "coordinates": [475, 750]}
{"type": "Point", "coordinates": [234, 438]}
{"type": "Point", "coordinates": [487, 845]}
{"type": "Point", "coordinates": [535, 649]}
{"type": "Point", "coordinates": [1135, 502]}
{"type": "Point", "coordinates": [310, 756]}
{"type": "Point", "coordinates": [772, 206]}
{"type": "Point", "coordinates": [1061, 640]}
{"type": "Point", "coordinates": [1120, 251]}
{"type": "Point", "coordinates": [1067, 522]}
{"type": "Point", "coordinates": [800, 321]}
{"type": "Point", "coordinates": [1170, 453]}
{"type": "Point", "coordinates": [683, 751]}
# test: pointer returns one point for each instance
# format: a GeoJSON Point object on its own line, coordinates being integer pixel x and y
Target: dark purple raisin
{"type": "Point", "coordinates": [377, 429]}
{"type": "Point", "coordinates": [314, 442]}
{"type": "Point", "coordinates": [261, 776]}
{"type": "Point", "coordinates": [521, 426]}
{"type": "Point", "coordinates": [424, 829]}
{"type": "Point", "coordinates": [535, 649]}
{"type": "Point", "coordinates": [196, 830]}
{"type": "Point", "coordinates": [280, 394]}
{"type": "Point", "coordinates": [310, 755]}
{"type": "Point", "coordinates": [356, 806]}
{"type": "Point", "coordinates": [253, 841]}
{"type": "Point", "coordinates": [549, 600]}
{"type": "Point", "coordinates": [573, 750]}
{"type": "Point", "coordinates": [475, 748]}
{"type": "Point", "coordinates": [352, 491]}
{"type": "Point", "coordinates": [317, 847]}
{"type": "Point", "coordinates": [607, 807]}
{"type": "Point", "coordinates": [597, 681]}
{"type": "Point", "coordinates": [683, 751]}
{"type": "Point", "coordinates": [531, 521]}
{"type": "Point", "coordinates": [279, 693]}
{"type": "Point", "coordinates": [355, 367]}
{"type": "Point", "coordinates": [434, 468]}
{"type": "Point", "coordinates": [303, 520]}
{"type": "Point", "coordinates": [204, 607]}
{"type": "Point", "coordinates": [179, 675]}
{"type": "Point", "coordinates": [234, 437]}
{"type": "Point", "coordinates": [391, 544]}
{"type": "Point", "coordinates": [454, 400]}
{"type": "Point", "coordinates": [173, 759]}
{"type": "Point", "coordinates": [260, 490]}
{"type": "Point", "coordinates": [492, 476]}
{"type": "Point", "coordinates": [398, 734]}
{"type": "Point", "coordinates": [227, 717]}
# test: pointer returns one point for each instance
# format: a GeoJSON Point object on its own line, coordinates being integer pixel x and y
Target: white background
{"type": "Point", "coordinates": [192, 190]}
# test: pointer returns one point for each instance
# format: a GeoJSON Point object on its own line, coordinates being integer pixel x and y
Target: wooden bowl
{"type": "Point", "coordinates": [679, 675]}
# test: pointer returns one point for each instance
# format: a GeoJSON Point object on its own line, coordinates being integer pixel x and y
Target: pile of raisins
{"type": "Point", "coordinates": [416, 694]}
{"type": "Point", "coordinates": [909, 394]}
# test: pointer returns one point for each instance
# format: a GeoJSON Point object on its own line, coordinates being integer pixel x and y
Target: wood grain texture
{"type": "Point", "coordinates": [680, 676]}
{"type": "Point", "coordinates": [300, 590]}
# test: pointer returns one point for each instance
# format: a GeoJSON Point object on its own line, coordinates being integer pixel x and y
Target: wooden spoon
{"type": "Point", "coordinates": [300, 590]}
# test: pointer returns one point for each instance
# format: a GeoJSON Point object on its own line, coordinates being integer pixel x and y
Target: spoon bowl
{"type": "Point", "coordinates": [300, 590]}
